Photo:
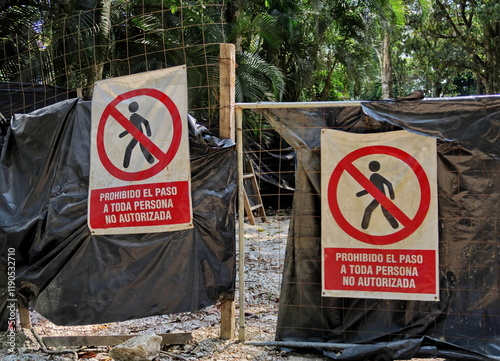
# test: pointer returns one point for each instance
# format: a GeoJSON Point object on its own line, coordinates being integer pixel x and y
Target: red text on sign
{"type": "Point", "coordinates": [140, 205]}
{"type": "Point", "coordinates": [374, 270]}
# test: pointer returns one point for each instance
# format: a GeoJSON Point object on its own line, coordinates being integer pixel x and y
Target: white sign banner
{"type": "Point", "coordinates": [140, 177]}
{"type": "Point", "coordinates": [379, 215]}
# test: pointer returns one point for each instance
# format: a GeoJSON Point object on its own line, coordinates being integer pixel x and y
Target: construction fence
{"type": "Point", "coordinates": [465, 319]}
{"type": "Point", "coordinates": [279, 257]}
{"type": "Point", "coordinates": [277, 285]}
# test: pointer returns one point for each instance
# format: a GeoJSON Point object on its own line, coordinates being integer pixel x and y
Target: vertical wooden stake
{"type": "Point", "coordinates": [24, 317]}
{"type": "Point", "coordinates": [228, 320]}
{"type": "Point", "coordinates": [227, 82]}
{"type": "Point", "coordinates": [227, 66]}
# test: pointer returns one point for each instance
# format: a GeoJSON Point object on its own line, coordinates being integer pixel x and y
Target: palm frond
{"type": "Point", "coordinates": [257, 80]}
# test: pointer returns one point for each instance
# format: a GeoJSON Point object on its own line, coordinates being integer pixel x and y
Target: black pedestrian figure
{"type": "Point", "coordinates": [378, 181]}
{"type": "Point", "coordinates": [138, 122]}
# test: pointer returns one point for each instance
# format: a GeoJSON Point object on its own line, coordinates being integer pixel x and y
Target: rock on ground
{"type": "Point", "coordinates": [139, 348]}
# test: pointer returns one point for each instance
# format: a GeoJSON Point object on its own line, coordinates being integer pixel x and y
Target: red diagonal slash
{"type": "Point", "coordinates": [164, 158]}
{"type": "Point", "coordinates": [137, 134]}
{"type": "Point", "coordinates": [409, 225]}
{"type": "Point", "coordinates": [377, 194]}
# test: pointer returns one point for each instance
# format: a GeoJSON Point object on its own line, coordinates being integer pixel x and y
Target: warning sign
{"type": "Point", "coordinates": [379, 215]}
{"type": "Point", "coordinates": [140, 170]}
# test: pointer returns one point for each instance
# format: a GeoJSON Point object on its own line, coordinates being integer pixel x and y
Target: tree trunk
{"type": "Point", "coordinates": [104, 41]}
{"type": "Point", "coordinates": [387, 85]}
{"type": "Point", "coordinates": [479, 83]}
{"type": "Point", "coordinates": [233, 12]}
{"type": "Point", "coordinates": [328, 84]}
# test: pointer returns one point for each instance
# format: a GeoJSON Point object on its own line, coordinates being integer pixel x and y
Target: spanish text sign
{"type": "Point", "coordinates": [140, 171]}
{"type": "Point", "coordinates": [379, 215]}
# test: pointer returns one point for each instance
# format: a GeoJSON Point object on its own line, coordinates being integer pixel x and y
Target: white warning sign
{"type": "Point", "coordinates": [140, 169]}
{"type": "Point", "coordinates": [379, 215]}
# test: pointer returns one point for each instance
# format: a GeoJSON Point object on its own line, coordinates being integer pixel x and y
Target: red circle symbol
{"type": "Point", "coordinates": [410, 225]}
{"type": "Point", "coordinates": [164, 158]}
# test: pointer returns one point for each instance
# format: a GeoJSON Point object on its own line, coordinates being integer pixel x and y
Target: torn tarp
{"type": "Point", "coordinates": [74, 278]}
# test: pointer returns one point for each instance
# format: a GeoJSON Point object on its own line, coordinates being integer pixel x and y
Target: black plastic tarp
{"type": "Point", "coordinates": [74, 278]}
{"type": "Point", "coordinates": [465, 323]}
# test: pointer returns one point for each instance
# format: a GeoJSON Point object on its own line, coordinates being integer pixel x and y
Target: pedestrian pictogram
{"type": "Point", "coordinates": [134, 125]}
{"type": "Point", "coordinates": [378, 181]}
{"type": "Point", "coordinates": [139, 122]}
{"type": "Point", "coordinates": [379, 215]}
{"type": "Point", "coordinates": [374, 186]}
{"type": "Point", "coordinates": [140, 175]}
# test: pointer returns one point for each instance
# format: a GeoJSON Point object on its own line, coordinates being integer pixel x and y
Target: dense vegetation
{"type": "Point", "coordinates": [287, 50]}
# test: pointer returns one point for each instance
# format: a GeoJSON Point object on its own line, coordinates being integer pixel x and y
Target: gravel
{"type": "Point", "coordinates": [264, 253]}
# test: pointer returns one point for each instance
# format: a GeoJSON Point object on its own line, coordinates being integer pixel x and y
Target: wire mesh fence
{"type": "Point", "coordinates": [273, 162]}
{"type": "Point", "coordinates": [67, 54]}
{"type": "Point", "coordinates": [468, 243]}
{"type": "Point", "coordinates": [56, 53]}
{"type": "Point", "coordinates": [68, 50]}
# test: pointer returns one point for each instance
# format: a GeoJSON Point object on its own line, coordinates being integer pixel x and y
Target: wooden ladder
{"type": "Point", "coordinates": [249, 208]}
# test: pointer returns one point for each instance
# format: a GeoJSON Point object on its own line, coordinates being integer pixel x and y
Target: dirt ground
{"type": "Point", "coordinates": [264, 254]}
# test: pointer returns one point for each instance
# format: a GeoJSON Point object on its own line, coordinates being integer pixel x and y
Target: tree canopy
{"type": "Point", "coordinates": [287, 50]}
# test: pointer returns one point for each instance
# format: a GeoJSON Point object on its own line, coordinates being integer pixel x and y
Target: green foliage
{"type": "Point", "coordinates": [87, 40]}
{"type": "Point", "coordinates": [455, 43]}
{"type": "Point", "coordinates": [287, 50]}
{"type": "Point", "coordinates": [19, 38]}
{"type": "Point", "coordinates": [308, 38]}
{"type": "Point", "coordinates": [257, 80]}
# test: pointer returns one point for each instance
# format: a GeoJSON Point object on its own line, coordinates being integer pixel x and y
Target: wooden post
{"type": "Point", "coordinates": [24, 316]}
{"type": "Point", "coordinates": [227, 81]}
{"type": "Point", "coordinates": [227, 320]}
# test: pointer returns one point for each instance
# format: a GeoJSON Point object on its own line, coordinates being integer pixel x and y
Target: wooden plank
{"type": "Point", "coordinates": [228, 322]}
{"type": "Point", "coordinates": [179, 338]}
{"type": "Point", "coordinates": [260, 206]}
{"type": "Point", "coordinates": [248, 209]}
{"type": "Point", "coordinates": [227, 85]}
{"type": "Point", "coordinates": [24, 317]}
{"type": "Point", "coordinates": [255, 186]}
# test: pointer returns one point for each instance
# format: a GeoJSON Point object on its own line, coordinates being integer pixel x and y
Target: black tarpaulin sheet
{"type": "Point", "coordinates": [73, 278]}
{"type": "Point", "coordinates": [466, 320]}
